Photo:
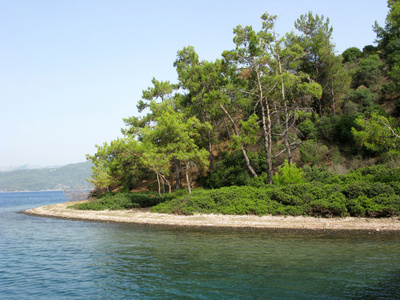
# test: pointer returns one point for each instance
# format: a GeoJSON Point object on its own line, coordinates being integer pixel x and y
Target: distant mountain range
{"type": "Point", "coordinates": [34, 178]}
{"type": "Point", "coordinates": [25, 167]}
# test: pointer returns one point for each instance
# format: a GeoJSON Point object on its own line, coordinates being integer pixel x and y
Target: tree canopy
{"type": "Point", "coordinates": [267, 107]}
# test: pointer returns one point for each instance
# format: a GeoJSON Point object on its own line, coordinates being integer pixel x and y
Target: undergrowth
{"type": "Point", "coordinates": [367, 192]}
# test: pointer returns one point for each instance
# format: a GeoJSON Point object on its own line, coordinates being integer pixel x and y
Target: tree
{"type": "Point", "coordinates": [388, 39]}
{"type": "Point", "coordinates": [116, 165]}
{"type": "Point", "coordinates": [202, 82]}
{"type": "Point", "coordinates": [288, 174]}
{"type": "Point", "coordinates": [368, 71]}
{"type": "Point", "coordinates": [376, 134]}
{"type": "Point", "coordinates": [267, 70]}
{"type": "Point", "coordinates": [157, 161]}
{"type": "Point", "coordinates": [174, 136]}
{"type": "Point", "coordinates": [351, 54]}
{"type": "Point", "coordinates": [320, 61]}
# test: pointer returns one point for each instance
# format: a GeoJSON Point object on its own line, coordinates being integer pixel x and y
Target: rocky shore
{"type": "Point", "coordinates": [145, 217]}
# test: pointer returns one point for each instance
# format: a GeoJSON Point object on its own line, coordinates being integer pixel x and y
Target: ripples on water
{"type": "Point", "coordinates": [44, 258]}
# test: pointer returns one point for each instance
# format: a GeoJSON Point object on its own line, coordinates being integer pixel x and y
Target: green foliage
{"type": "Point", "coordinates": [368, 189]}
{"type": "Point", "coordinates": [336, 129]}
{"type": "Point", "coordinates": [363, 97]}
{"type": "Point", "coordinates": [313, 153]}
{"type": "Point", "coordinates": [251, 100]}
{"type": "Point", "coordinates": [308, 129]}
{"type": "Point", "coordinates": [368, 71]}
{"type": "Point", "coordinates": [370, 192]}
{"type": "Point", "coordinates": [229, 170]}
{"type": "Point", "coordinates": [120, 201]}
{"type": "Point", "coordinates": [351, 54]}
{"type": "Point", "coordinates": [332, 206]}
{"type": "Point", "coordinates": [316, 173]}
{"type": "Point", "coordinates": [376, 134]}
{"type": "Point", "coordinates": [288, 174]}
{"type": "Point", "coordinates": [360, 193]}
{"type": "Point", "coordinates": [227, 200]}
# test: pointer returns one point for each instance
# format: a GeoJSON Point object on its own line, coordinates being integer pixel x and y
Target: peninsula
{"type": "Point", "coordinates": [145, 217]}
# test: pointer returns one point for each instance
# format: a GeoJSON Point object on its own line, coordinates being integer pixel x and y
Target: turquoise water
{"type": "Point", "coordinates": [45, 258]}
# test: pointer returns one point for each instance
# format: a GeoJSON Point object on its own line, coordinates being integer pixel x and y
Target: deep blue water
{"type": "Point", "coordinates": [45, 258]}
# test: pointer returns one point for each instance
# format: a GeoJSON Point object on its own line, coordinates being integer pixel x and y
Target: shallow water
{"type": "Point", "coordinates": [43, 258]}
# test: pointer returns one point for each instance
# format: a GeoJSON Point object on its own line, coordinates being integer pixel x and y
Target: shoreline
{"type": "Point", "coordinates": [145, 217]}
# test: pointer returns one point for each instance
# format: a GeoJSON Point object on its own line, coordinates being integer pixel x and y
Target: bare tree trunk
{"type": "Point", "coordinates": [267, 138]}
{"type": "Point", "coordinates": [333, 95]}
{"type": "Point", "coordinates": [267, 132]}
{"type": "Point", "coordinates": [285, 108]}
{"type": "Point", "coordinates": [168, 183]}
{"type": "Point", "coordinates": [187, 178]}
{"type": "Point", "coordinates": [210, 150]}
{"type": "Point", "coordinates": [246, 157]}
{"type": "Point", "coordinates": [159, 186]}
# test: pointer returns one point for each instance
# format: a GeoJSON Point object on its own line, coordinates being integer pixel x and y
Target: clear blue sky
{"type": "Point", "coordinates": [71, 70]}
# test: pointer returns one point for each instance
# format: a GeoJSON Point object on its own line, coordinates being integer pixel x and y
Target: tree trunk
{"type": "Point", "coordinates": [210, 150]}
{"type": "Point", "coordinates": [267, 138]}
{"type": "Point", "coordinates": [159, 185]}
{"type": "Point", "coordinates": [246, 157]}
{"type": "Point", "coordinates": [267, 130]}
{"type": "Point", "coordinates": [285, 108]}
{"type": "Point", "coordinates": [177, 174]}
{"type": "Point", "coordinates": [168, 183]}
{"type": "Point", "coordinates": [187, 178]}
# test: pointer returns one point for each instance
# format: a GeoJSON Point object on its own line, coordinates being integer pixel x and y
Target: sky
{"type": "Point", "coordinates": [70, 71]}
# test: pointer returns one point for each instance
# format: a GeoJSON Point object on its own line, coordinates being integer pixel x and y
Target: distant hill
{"type": "Point", "coordinates": [71, 176]}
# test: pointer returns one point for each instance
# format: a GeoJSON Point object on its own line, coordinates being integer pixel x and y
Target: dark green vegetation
{"type": "Point", "coordinates": [272, 126]}
{"type": "Point", "coordinates": [366, 192]}
{"type": "Point", "coordinates": [63, 178]}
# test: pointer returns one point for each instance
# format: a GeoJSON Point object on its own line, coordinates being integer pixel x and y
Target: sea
{"type": "Point", "coordinates": [49, 258]}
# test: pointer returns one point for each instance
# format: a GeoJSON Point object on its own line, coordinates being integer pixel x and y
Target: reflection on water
{"type": "Point", "coordinates": [51, 258]}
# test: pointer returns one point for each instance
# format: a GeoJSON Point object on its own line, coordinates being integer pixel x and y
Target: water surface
{"type": "Point", "coordinates": [43, 258]}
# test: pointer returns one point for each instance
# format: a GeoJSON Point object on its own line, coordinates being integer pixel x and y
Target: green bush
{"type": "Point", "coordinates": [351, 54]}
{"type": "Point", "coordinates": [366, 192]}
{"type": "Point", "coordinates": [333, 206]}
{"type": "Point", "coordinates": [308, 129]}
{"type": "Point", "coordinates": [121, 200]}
{"type": "Point", "coordinates": [380, 206]}
{"type": "Point", "coordinates": [368, 71]}
{"type": "Point", "coordinates": [288, 174]}
{"type": "Point", "coordinates": [368, 189]}
{"type": "Point", "coordinates": [316, 174]}
{"type": "Point", "coordinates": [227, 200]}
{"type": "Point", "coordinates": [355, 208]}
{"type": "Point", "coordinates": [230, 169]}
{"type": "Point", "coordinates": [313, 153]}
{"type": "Point", "coordinates": [363, 97]}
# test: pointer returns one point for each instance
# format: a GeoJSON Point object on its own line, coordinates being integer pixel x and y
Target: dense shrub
{"type": "Point", "coordinates": [229, 170]}
{"type": "Point", "coordinates": [122, 200]}
{"type": "Point", "coordinates": [351, 54]}
{"type": "Point", "coordinates": [313, 153]}
{"type": "Point", "coordinates": [368, 189]}
{"type": "Point", "coordinates": [368, 71]}
{"type": "Point", "coordinates": [227, 200]}
{"type": "Point", "coordinates": [316, 173]}
{"type": "Point", "coordinates": [308, 130]}
{"type": "Point", "coordinates": [332, 206]}
{"type": "Point", "coordinates": [366, 192]}
{"type": "Point", "coordinates": [288, 174]}
{"type": "Point", "coordinates": [363, 97]}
